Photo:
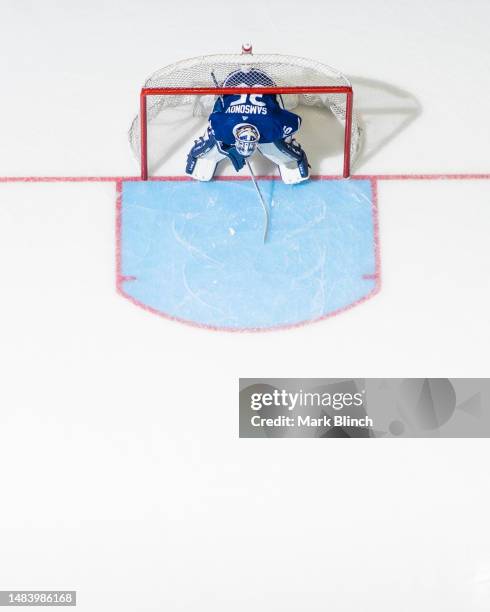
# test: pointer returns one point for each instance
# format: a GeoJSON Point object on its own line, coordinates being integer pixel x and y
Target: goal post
{"type": "Point", "coordinates": [312, 90]}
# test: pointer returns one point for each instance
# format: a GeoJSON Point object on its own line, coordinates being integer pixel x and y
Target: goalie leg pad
{"type": "Point", "coordinates": [203, 158]}
{"type": "Point", "coordinates": [290, 158]}
{"type": "Point", "coordinates": [203, 169]}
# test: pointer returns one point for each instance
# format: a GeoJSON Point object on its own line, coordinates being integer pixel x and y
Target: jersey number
{"type": "Point", "coordinates": [254, 99]}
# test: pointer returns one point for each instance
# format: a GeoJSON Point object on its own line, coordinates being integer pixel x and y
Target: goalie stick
{"type": "Point", "coordinates": [261, 198]}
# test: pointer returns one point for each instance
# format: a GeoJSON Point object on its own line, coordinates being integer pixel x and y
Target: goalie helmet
{"type": "Point", "coordinates": [246, 138]}
{"type": "Point", "coordinates": [250, 78]}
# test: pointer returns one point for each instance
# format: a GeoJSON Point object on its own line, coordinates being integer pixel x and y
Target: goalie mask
{"type": "Point", "coordinates": [246, 138]}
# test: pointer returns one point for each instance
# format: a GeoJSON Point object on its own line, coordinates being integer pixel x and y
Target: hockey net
{"type": "Point", "coordinates": [192, 86]}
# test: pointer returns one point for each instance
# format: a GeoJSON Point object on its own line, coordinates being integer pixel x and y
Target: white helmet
{"type": "Point", "coordinates": [246, 138]}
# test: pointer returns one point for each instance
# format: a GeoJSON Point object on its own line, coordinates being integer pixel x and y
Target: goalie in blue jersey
{"type": "Point", "coordinates": [240, 124]}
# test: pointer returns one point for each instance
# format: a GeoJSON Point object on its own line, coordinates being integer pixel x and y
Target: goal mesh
{"type": "Point", "coordinates": [282, 71]}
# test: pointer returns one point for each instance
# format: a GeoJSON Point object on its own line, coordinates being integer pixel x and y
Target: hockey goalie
{"type": "Point", "coordinates": [241, 124]}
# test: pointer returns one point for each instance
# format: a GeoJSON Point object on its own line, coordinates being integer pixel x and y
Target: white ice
{"type": "Point", "coordinates": [122, 473]}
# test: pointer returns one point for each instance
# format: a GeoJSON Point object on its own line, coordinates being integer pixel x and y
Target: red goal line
{"type": "Point", "coordinates": [355, 177]}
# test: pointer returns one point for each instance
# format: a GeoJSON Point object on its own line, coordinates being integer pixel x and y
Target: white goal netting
{"type": "Point", "coordinates": [281, 71]}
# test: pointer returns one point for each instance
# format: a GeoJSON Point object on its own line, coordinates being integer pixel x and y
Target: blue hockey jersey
{"type": "Point", "coordinates": [261, 110]}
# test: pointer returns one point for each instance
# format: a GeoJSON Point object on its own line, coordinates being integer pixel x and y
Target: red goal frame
{"type": "Point", "coordinates": [218, 91]}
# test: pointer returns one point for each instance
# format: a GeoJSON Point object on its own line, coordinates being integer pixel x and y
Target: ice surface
{"type": "Point", "coordinates": [122, 474]}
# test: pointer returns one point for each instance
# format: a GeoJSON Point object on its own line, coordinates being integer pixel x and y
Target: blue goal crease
{"type": "Point", "coordinates": [195, 251]}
